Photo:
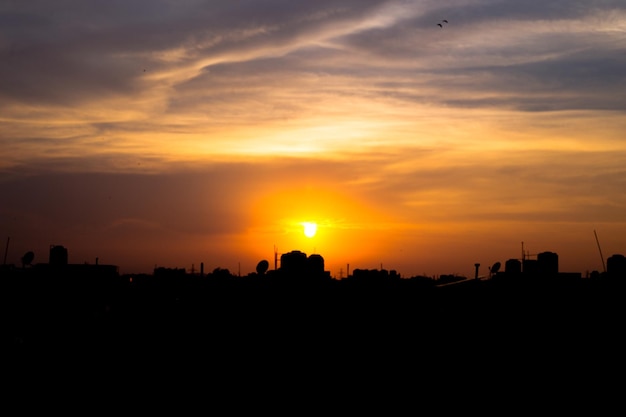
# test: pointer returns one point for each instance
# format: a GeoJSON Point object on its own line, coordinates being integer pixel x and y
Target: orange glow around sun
{"type": "Point", "coordinates": [342, 228]}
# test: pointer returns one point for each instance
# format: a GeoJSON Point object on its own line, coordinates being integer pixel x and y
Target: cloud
{"type": "Point", "coordinates": [93, 52]}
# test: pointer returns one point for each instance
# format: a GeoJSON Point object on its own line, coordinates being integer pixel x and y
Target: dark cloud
{"type": "Point", "coordinates": [69, 52]}
{"type": "Point", "coordinates": [464, 12]}
{"type": "Point", "coordinates": [183, 199]}
{"type": "Point", "coordinates": [582, 81]}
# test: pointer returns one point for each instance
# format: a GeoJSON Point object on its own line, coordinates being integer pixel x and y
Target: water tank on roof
{"type": "Point", "coordinates": [616, 265]}
{"type": "Point", "coordinates": [548, 263]}
{"type": "Point", "coordinates": [58, 255]}
{"type": "Point", "coordinates": [315, 264]}
{"type": "Point", "coordinates": [294, 261]}
{"type": "Point", "coordinates": [513, 266]}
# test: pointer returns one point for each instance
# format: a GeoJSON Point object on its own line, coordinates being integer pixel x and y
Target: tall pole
{"type": "Point", "coordinates": [600, 250]}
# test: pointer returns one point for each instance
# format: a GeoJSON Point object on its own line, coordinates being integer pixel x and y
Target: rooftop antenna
{"type": "Point", "coordinates": [526, 253]}
{"type": "Point", "coordinates": [600, 250]}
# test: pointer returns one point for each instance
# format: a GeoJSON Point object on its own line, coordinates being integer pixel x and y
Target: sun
{"type": "Point", "coordinates": [310, 229]}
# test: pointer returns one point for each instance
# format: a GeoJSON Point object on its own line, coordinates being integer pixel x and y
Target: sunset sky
{"type": "Point", "coordinates": [172, 133]}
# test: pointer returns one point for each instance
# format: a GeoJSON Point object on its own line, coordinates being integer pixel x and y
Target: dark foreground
{"type": "Point", "coordinates": [257, 316]}
{"type": "Point", "coordinates": [255, 334]}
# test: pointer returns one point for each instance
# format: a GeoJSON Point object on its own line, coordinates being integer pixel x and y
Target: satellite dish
{"type": "Point", "coordinates": [495, 268]}
{"type": "Point", "coordinates": [262, 267]}
{"type": "Point", "coordinates": [28, 257]}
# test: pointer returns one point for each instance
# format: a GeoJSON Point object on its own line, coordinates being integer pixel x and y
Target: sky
{"type": "Point", "coordinates": [189, 133]}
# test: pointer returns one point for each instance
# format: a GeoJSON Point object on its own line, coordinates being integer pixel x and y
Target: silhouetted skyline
{"type": "Point", "coordinates": [91, 305]}
{"type": "Point", "coordinates": [283, 329]}
{"type": "Point", "coordinates": [299, 263]}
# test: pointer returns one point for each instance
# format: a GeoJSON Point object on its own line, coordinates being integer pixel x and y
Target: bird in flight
{"type": "Point", "coordinates": [444, 21]}
{"type": "Point", "coordinates": [439, 24]}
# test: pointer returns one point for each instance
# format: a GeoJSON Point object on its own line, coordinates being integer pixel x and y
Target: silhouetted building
{"type": "Point", "coordinates": [513, 266]}
{"type": "Point", "coordinates": [297, 264]}
{"type": "Point", "coordinates": [530, 267]}
{"type": "Point", "coordinates": [315, 264]}
{"type": "Point", "coordinates": [548, 263]}
{"type": "Point", "coordinates": [293, 263]}
{"type": "Point", "coordinates": [374, 275]}
{"type": "Point", "coordinates": [616, 265]}
{"type": "Point", "coordinates": [162, 272]}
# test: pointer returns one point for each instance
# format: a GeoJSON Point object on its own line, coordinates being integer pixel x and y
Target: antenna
{"type": "Point", "coordinates": [600, 250]}
{"type": "Point", "coordinates": [526, 253]}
